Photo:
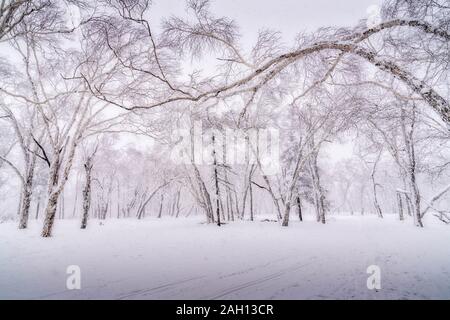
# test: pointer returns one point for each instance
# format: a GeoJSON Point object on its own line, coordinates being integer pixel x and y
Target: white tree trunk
{"type": "Point", "coordinates": [86, 193]}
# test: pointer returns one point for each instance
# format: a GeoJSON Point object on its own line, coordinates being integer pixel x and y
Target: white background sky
{"type": "Point", "coordinates": [287, 16]}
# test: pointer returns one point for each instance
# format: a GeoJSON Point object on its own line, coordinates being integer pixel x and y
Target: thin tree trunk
{"type": "Point", "coordinates": [236, 204]}
{"type": "Point", "coordinates": [229, 200]}
{"type": "Point", "coordinates": [19, 206]}
{"type": "Point", "coordinates": [178, 203]}
{"type": "Point", "coordinates": [408, 205]}
{"type": "Point", "coordinates": [205, 198]}
{"type": "Point", "coordinates": [319, 197]}
{"type": "Point", "coordinates": [410, 149]}
{"type": "Point", "coordinates": [216, 180]}
{"type": "Point", "coordinates": [27, 190]}
{"type": "Point", "coordinates": [299, 208]}
{"type": "Point", "coordinates": [118, 200]}
{"type": "Point", "coordinates": [374, 186]}
{"type": "Point", "coordinates": [251, 198]}
{"type": "Point", "coordinates": [26, 198]}
{"type": "Point", "coordinates": [76, 197]}
{"type": "Point", "coordinates": [416, 207]}
{"type": "Point", "coordinates": [250, 190]}
{"type": "Point", "coordinates": [400, 206]}
{"type": "Point", "coordinates": [148, 199]}
{"type": "Point", "coordinates": [62, 205]}
{"type": "Point", "coordinates": [161, 206]}
{"type": "Point", "coordinates": [246, 190]}
{"type": "Point", "coordinates": [87, 193]}
{"type": "Point", "coordinates": [222, 209]}
{"type": "Point", "coordinates": [38, 205]}
{"type": "Point", "coordinates": [272, 194]}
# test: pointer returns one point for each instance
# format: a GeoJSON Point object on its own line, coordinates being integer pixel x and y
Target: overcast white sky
{"type": "Point", "coordinates": [287, 16]}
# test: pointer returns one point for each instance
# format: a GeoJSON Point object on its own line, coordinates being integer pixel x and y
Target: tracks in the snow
{"type": "Point", "coordinates": [257, 281]}
{"type": "Point", "coordinates": [153, 290]}
{"type": "Point", "coordinates": [177, 285]}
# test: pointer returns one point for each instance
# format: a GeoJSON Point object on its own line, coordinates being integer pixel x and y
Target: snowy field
{"type": "Point", "coordinates": [185, 259]}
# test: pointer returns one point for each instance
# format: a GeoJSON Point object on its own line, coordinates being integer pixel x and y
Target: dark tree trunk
{"type": "Point", "coordinates": [299, 208]}
{"type": "Point", "coordinates": [286, 214]}
{"type": "Point", "coordinates": [408, 205]}
{"type": "Point", "coordinates": [161, 206]}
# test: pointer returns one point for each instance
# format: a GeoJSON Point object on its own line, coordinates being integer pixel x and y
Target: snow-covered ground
{"type": "Point", "coordinates": [185, 259]}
